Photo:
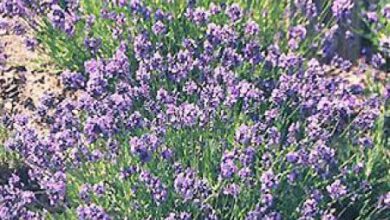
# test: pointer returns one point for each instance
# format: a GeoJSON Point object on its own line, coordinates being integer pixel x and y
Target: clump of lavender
{"type": "Point", "coordinates": [157, 189]}
{"type": "Point", "coordinates": [384, 201]}
{"type": "Point", "coordinates": [336, 190]}
{"type": "Point", "coordinates": [341, 9]}
{"type": "Point", "coordinates": [93, 44]}
{"type": "Point", "coordinates": [92, 211]}
{"type": "Point", "coordinates": [190, 187]}
{"type": "Point", "coordinates": [12, 8]}
{"type": "Point", "coordinates": [73, 80]}
{"type": "Point", "coordinates": [16, 201]}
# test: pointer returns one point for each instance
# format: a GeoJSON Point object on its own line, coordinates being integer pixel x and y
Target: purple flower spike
{"type": "Point", "coordinates": [73, 80]}
{"type": "Point", "coordinates": [342, 8]}
{"type": "Point", "coordinates": [234, 12]}
{"type": "Point", "coordinates": [336, 190]}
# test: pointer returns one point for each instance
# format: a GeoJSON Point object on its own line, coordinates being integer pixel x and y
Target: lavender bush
{"type": "Point", "coordinates": [198, 110]}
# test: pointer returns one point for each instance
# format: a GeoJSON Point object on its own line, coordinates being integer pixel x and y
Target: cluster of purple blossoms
{"type": "Point", "coordinates": [62, 19]}
{"type": "Point", "coordinates": [296, 35]}
{"type": "Point", "coordinates": [263, 212]}
{"type": "Point", "coordinates": [386, 11]}
{"type": "Point", "coordinates": [336, 190]}
{"type": "Point", "coordinates": [179, 216]}
{"type": "Point", "coordinates": [311, 207]}
{"type": "Point", "coordinates": [73, 80]}
{"type": "Point", "coordinates": [31, 43]}
{"type": "Point", "coordinates": [12, 8]}
{"type": "Point", "coordinates": [234, 11]}
{"type": "Point", "coordinates": [341, 9]}
{"type": "Point", "coordinates": [15, 200]}
{"type": "Point", "coordinates": [86, 190]}
{"type": "Point", "coordinates": [307, 7]}
{"type": "Point", "coordinates": [93, 44]}
{"type": "Point", "coordinates": [268, 181]}
{"type": "Point", "coordinates": [190, 187]}
{"type": "Point", "coordinates": [198, 16]}
{"type": "Point", "coordinates": [92, 211]}
{"type": "Point", "coordinates": [157, 189]}
{"type": "Point", "coordinates": [384, 201]}
{"type": "Point", "coordinates": [144, 146]}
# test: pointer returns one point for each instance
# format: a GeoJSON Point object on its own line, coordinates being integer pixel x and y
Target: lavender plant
{"type": "Point", "coordinates": [208, 110]}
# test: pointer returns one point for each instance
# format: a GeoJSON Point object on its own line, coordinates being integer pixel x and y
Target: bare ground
{"type": "Point", "coordinates": [26, 75]}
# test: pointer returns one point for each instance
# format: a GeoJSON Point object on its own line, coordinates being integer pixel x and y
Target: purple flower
{"type": "Point", "coordinates": [167, 154]}
{"type": "Point", "coordinates": [157, 189]}
{"type": "Point", "coordinates": [189, 114]}
{"type": "Point", "coordinates": [57, 17]}
{"type": "Point", "coordinates": [336, 190]}
{"type": "Point", "coordinates": [268, 181]}
{"type": "Point", "coordinates": [245, 174]}
{"type": "Point", "coordinates": [189, 186]}
{"type": "Point", "coordinates": [292, 157]}
{"type": "Point", "coordinates": [384, 201]}
{"type": "Point", "coordinates": [386, 11]}
{"type": "Point", "coordinates": [84, 192]}
{"type": "Point", "coordinates": [91, 212]}
{"type": "Point", "coordinates": [377, 61]}
{"type": "Point", "coordinates": [329, 215]}
{"type": "Point", "coordinates": [198, 16]}
{"type": "Point", "coordinates": [181, 65]}
{"type": "Point", "coordinates": [214, 9]}
{"type": "Point", "coordinates": [140, 148]}
{"type": "Point", "coordinates": [251, 28]}
{"type": "Point", "coordinates": [97, 86]}
{"type": "Point", "coordinates": [264, 108]}
{"type": "Point", "coordinates": [298, 32]}
{"type": "Point", "coordinates": [16, 201]}
{"type": "Point", "coordinates": [127, 172]}
{"type": "Point", "coordinates": [159, 28]}
{"type": "Point", "coordinates": [342, 8]}
{"type": "Point", "coordinates": [267, 199]}
{"type": "Point", "coordinates": [72, 80]}
{"type": "Point", "coordinates": [232, 190]}
{"type": "Point", "coordinates": [93, 44]}
{"type": "Point", "coordinates": [384, 45]}
{"type": "Point", "coordinates": [12, 8]}
{"type": "Point", "coordinates": [366, 142]}
{"type": "Point", "coordinates": [99, 189]}
{"type": "Point", "coordinates": [296, 35]}
{"type": "Point", "coordinates": [19, 29]}
{"type": "Point", "coordinates": [247, 156]}
{"type": "Point", "coordinates": [307, 7]}
{"type": "Point", "coordinates": [179, 216]}
{"type": "Point", "coordinates": [138, 8]}
{"type": "Point", "coordinates": [99, 127]}
{"type": "Point", "coordinates": [160, 15]}
{"type": "Point", "coordinates": [228, 167]}
{"type": "Point", "coordinates": [142, 46]}
{"type": "Point", "coordinates": [309, 208]}
{"type": "Point", "coordinates": [252, 53]}
{"type": "Point", "coordinates": [55, 187]}
{"type": "Point", "coordinates": [372, 17]}
{"type": "Point", "coordinates": [234, 12]}
{"type": "Point", "coordinates": [31, 43]}
{"type": "Point", "coordinates": [243, 134]}
{"type": "Point", "coordinates": [292, 176]}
